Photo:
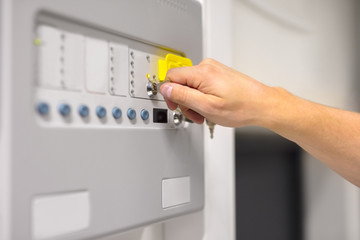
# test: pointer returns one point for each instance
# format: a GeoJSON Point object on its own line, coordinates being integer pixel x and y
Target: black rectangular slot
{"type": "Point", "coordinates": [160, 115]}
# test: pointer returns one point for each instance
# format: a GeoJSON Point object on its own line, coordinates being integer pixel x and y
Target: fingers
{"type": "Point", "coordinates": [188, 76]}
{"type": "Point", "coordinates": [184, 96]}
{"type": "Point", "coordinates": [186, 88]}
{"type": "Point", "coordinates": [188, 113]}
{"type": "Point", "coordinates": [192, 115]}
{"type": "Point", "coordinates": [171, 105]}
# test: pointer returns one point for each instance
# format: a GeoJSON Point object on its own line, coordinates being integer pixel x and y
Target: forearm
{"type": "Point", "coordinates": [227, 97]}
{"type": "Point", "coordinates": [331, 135]}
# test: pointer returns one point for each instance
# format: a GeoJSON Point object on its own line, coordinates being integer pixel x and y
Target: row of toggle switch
{"type": "Point", "coordinates": [64, 109]}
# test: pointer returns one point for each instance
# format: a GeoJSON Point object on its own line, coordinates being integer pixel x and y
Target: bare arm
{"type": "Point", "coordinates": [230, 98]}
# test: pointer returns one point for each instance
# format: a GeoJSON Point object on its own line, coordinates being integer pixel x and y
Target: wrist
{"type": "Point", "coordinates": [277, 108]}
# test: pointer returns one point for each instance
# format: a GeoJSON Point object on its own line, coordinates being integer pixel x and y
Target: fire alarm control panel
{"type": "Point", "coordinates": [88, 146]}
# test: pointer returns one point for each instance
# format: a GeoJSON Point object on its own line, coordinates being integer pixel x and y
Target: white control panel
{"type": "Point", "coordinates": [84, 81]}
{"type": "Point", "coordinates": [88, 147]}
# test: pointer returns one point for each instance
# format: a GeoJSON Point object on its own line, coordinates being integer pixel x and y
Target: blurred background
{"type": "Point", "coordinates": [311, 49]}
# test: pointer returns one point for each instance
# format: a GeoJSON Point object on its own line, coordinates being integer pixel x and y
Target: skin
{"type": "Point", "coordinates": [230, 98]}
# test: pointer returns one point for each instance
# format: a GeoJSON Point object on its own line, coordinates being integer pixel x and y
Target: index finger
{"type": "Point", "coordinates": [189, 76]}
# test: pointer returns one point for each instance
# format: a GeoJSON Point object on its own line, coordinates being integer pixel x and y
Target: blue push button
{"type": "Point", "coordinates": [64, 109]}
{"type": "Point", "coordinates": [144, 114]}
{"type": "Point", "coordinates": [100, 111]}
{"type": "Point", "coordinates": [83, 111]}
{"type": "Point", "coordinates": [116, 112]}
{"type": "Point", "coordinates": [131, 113]}
{"type": "Point", "coordinates": [42, 108]}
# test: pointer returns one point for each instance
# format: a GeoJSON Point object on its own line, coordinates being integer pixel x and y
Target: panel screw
{"type": "Point", "coordinates": [42, 108]}
{"type": "Point", "coordinates": [131, 113]}
{"type": "Point", "coordinates": [100, 111]}
{"type": "Point", "coordinates": [64, 109]}
{"type": "Point", "coordinates": [144, 114]}
{"type": "Point", "coordinates": [116, 112]}
{"type": "Point", "coordinates": [83, 111]}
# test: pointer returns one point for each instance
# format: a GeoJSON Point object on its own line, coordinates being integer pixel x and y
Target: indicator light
{"type": "Point", "coordinates": [37, 41]}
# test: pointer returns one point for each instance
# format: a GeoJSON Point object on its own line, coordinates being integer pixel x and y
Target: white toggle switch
{"type": "Point", "coordinates": [96, 65]}
{"type": "Point", "coordinates": [74, 57]}
{"type": "Point", "coordinates": [49, 44]}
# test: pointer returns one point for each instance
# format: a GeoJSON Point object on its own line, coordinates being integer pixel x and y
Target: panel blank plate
{"type": "Point", "coordinates": [73, 61]}
{"type": "Point", "coordinates": [119, 69]}
{"type": "Point", "coordinates": [49, 72]}
{"type": "Point", "coordinates": [175, 191]}
{"type": "Point", "coordinates": [96, 65]}
{"type": "Point", "coordinates": [56, 215]}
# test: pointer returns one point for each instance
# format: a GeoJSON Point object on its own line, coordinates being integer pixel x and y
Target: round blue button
{"type": "Point", "coordinates": [83, 111]}
{"type": "Point", "coordinates": [144, 114]}
{"type": "Point", "coordinates": [116, 112]}
{"type": "Point", "coordinates": [42, 108]}
{"type": "Point", "coordinates": [64, 109]}
{"type": "Point", "coordinates": [131, 113]}
{"type": "Point", "coordinates": [100, 111]}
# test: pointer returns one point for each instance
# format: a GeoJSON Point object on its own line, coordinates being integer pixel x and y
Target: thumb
{"type": "Point", "coordinates": [185, 96]}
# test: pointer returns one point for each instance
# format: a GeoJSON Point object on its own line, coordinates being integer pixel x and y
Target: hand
{"type": "Point", "coordinates": [230, 98]}
{"type": "Point", "coordinates": [214, 91]}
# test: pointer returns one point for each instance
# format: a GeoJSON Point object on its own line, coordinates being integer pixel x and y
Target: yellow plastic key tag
{"type": "Point", "coordinates": [172, 61]}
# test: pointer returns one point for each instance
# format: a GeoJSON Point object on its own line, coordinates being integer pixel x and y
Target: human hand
{"type": "Point", "coordinates": [227, 97]}
{"type": "Point", "coordinates": [216, 92]}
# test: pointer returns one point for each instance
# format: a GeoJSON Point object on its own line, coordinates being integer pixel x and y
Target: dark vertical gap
{"type": "Point", "coordinates": [268, 188]}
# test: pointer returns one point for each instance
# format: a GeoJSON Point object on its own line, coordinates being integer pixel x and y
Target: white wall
{"type": "Point", "coordinates": [219, 152]}
{"type": "Point", "coordinates": [310, 54]}
{"type": "Point", "coordinates": [308, 47]}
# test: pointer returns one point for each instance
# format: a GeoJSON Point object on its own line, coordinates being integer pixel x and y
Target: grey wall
{"type": "Point", "coordinates": [310, 48]}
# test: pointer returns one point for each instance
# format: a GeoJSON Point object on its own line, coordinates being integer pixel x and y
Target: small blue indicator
{"type": "Point", "coordinates": [131, 113]}
{"type": "Point", "coordinates": [144, 114]}
{"type": "Point", "coordinates": [100, 111]}
{"type": "Point", "coordinates": [116, 112]}
{"type": "Point", "coordinates": [83, 111]}
{"type": "Point", "coordinates": [64, 109]}
{"type": "Point", "coordinates": [42, 108]}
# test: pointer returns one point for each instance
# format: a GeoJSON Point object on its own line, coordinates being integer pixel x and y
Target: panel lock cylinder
{"type": "Point", "coordinates": [178, 118]}
{"type": "Point", "coordinates": [151, 89]}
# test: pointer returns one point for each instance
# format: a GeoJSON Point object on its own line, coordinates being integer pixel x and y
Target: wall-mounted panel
{"type": "Point", "coordinates": [84, 130]}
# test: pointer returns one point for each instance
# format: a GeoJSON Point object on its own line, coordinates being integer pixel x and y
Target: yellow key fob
{"type": "Point", "coordinates": [172, 61]}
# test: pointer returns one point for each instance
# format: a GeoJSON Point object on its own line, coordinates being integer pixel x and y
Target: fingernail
{"type": "Point", "coordinates": [165, 90]}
